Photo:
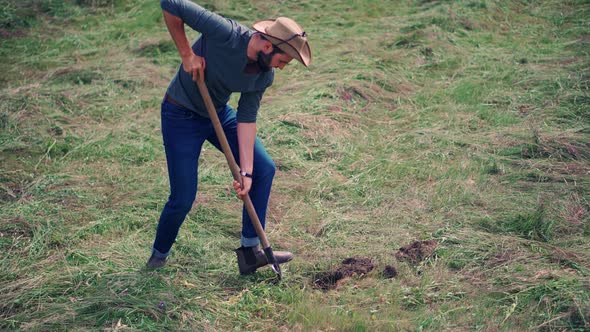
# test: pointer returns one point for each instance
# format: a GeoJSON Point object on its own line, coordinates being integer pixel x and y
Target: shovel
{"type": "Point", "coordinates": [235, 171]}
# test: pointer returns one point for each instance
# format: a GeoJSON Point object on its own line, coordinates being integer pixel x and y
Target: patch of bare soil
{"type": "Point", "coordinates": [389, 272]}
{"type": "Point", "coordinates": [349, 267]}
{"type": "Point", "coordinates": [416, 252]}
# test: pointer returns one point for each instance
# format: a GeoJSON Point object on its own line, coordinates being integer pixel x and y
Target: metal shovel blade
{"type": "Point", "coordinates": [272, 260]}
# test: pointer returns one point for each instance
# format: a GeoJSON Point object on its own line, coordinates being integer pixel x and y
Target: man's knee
{"type": "Point", "coordinates": [268, 169]}
{"type": "Point", "coordinates": [181, 205]}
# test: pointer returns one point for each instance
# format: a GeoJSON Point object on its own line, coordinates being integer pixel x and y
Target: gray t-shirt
{"type": "Point", "coordinates": [223, 44]}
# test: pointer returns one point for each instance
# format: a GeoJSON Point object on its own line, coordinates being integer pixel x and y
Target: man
{"type": "Point", "coordinates": [231, 58]}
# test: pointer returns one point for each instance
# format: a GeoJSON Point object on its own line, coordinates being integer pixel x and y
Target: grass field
{"type": "Point", "coordinates": [465, 123]}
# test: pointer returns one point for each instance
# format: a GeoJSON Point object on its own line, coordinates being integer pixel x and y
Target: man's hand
{"type": "Point", "coordinates": [194, 65]}
{"type": "Point", "coordinates": [243, 191]}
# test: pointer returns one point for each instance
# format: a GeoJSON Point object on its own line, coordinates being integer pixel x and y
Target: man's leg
{"type": "Point", "coordinates": [262, 177]}
{"type": "Point", "coordinates": [183, 133]}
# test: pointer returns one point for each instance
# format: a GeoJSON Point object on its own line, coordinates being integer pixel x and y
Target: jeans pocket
{"type": "Point", "coordinates": [173, 112]}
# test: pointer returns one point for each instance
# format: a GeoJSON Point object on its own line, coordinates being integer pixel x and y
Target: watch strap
{"type": "Point", "coordinates": [246, 174]}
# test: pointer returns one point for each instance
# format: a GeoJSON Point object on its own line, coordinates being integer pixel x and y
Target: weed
{"type": "Point", "coordinates": [533, 225]}
{"type": "Point", "coordinates": [156, 49]}
{"type": "Point", "coordinates": [409, 41]}
{"type": "Point", "coordinates": [554, 298]}
{"type": "Point", "coordinates": [72, 76]}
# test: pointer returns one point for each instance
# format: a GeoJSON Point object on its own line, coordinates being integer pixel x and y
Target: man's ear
{"type": "Point", "coordinates": [266, 46]}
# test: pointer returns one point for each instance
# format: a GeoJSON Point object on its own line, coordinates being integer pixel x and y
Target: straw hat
{"type": "Point", "coordinates": [287, 35]}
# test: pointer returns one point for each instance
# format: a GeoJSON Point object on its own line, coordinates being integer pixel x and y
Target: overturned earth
{"type": "Point", "coordinates": [416, 252]}
{"type": "Point", "coordinates": [350, 266]}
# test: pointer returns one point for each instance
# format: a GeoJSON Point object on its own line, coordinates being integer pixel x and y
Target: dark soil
{"type": "Point", "coordinates": [389, 272]}
{"type": "Point", "coordinates": [416, 252]}
{"type": "Point", "coordinates": [349, 267]}
{"type": "Point", "coordinates": [327, 280]}
{"type": "Point", "coordinates": [352, 266]}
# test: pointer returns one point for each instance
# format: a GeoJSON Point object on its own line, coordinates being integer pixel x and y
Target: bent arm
{"type": "Point", "coordinates": [175, 26]}
{"type": "Point", "coordinates": [193, 64]}
{"type": "Point", "coordinates": [180, 12]}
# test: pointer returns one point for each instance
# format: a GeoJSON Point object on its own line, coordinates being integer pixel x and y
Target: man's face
{"type": "Point", "coordinates": [266, 61]}
{"type": "Point", "coordinates": [280, 60]}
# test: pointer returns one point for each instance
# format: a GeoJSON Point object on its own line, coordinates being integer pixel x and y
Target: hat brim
{"type": "Point", "coordinates": [304, 56]}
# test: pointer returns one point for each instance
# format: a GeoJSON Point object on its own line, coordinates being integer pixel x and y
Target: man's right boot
{"type": "Point", "coordinates": [251, 258]}
{"type": "Point", "coordinates": [156, 262]}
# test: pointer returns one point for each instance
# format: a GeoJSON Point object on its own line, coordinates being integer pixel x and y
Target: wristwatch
{"type": "Point", "coordinates": [248, 175]}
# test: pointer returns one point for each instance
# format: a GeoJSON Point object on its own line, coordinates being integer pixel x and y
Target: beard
{"type": "Point", "coordinates": [264, 61]}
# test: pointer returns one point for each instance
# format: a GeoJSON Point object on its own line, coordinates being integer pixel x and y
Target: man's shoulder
{"type": "Point", "coordinates": [237, 35]}
{"type": "Point", "coordinates": [240, 30]}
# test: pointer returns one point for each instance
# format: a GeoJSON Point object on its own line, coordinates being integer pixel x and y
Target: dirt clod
{"type": "Point", "coordinates": [349, 267]}
{"type": "Point", "coordinates": [352, 266]}
{"type": "Point", "coordinates": [416, 252]}
{"type": "Point", "coordinates": [427, 51]}
{"type": "Point", "coordinates": [389, 272]}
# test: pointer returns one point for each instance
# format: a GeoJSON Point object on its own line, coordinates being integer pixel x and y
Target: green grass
{"type": "Point", "coordinates": [463, 121]}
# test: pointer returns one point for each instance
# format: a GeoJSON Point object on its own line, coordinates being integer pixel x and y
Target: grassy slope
{"type": "Point", "coordinates": [460, 121]}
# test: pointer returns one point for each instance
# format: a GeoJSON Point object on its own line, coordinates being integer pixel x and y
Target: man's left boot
{"type": "Point", "coordinates": [251, 258]}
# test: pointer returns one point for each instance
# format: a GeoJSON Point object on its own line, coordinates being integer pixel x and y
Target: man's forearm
{"type": "Point", "coordinates": [175, 26]}
{"type": "Point", "coordinates": [246, 139]}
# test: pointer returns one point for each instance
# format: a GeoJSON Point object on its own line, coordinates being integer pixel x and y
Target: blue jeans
{"type": "Point", "coordinates": [184, 133]}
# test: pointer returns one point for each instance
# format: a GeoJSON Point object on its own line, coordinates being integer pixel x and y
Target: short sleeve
{"type": "Point", "coordinates": [200, 19]}
{"type": "Point", "coordinates": [248, 106]}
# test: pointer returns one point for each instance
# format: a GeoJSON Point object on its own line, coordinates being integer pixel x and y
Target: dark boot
{"type": "Point", "coordinates": [251, 258]}
{"type": "Point", "coordinates": [155, 262]}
